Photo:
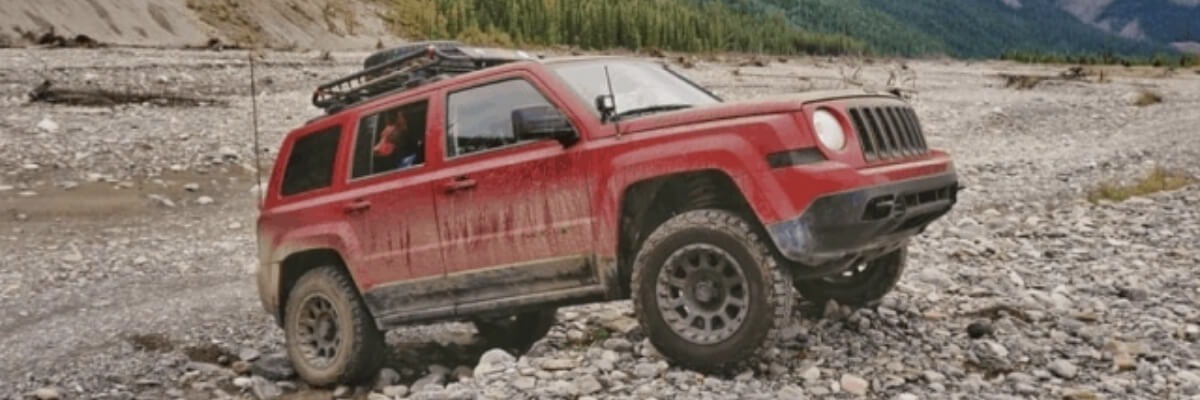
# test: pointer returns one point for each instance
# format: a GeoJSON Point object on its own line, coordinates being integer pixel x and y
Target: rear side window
{"type": "Point", "coordinates": [310, 166]}
{"type": "Point", "coordinates": [390, 140]}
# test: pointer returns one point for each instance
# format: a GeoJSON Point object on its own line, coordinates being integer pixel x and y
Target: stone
{"type": "Point", "coordinates": [342, 391]}
{"type": "Point", "coordinates": [790, 392]}
{"type": "Point", "coordinates": [907, 396]}
{"type": "Point", "coordinates": [246, 354]}
{"type": "Point", "coordinates": [386, 377]}
{"type": "Point", "coordinates": [264, 389]}
{"type": "Point", "coordinates": [979, 329]}
{"type": "Point", "coordinates": [587, 384]}
{"type": "Point", "coordinates": [275, 367]}
{"type": "Point", "coordinates": [650, 370]}
{"type": "Point", "coordinates": [576, 336]}
{"type": "Point", "coordinates": [243, 382]}
{"type": "Point", "coordinates": [1124, 361]}
{"type": "Point", "coordinates": [558, 364]}
{"type": "Point", "coordinates": [192, 187]}
{"type": "Point", "coordinates": [1063, 369]}
{"type": "Point", "coordinates": [525, 383]}
{"type": "Point", "coordinates": [621, 324]}
{"type": "Point", "coordinates": [163, 201]}
{"type": "Point", "coordinates": [205, 200]}
{"type": "Point", "coordinates": [47, 125]}
{"type": "Point", "coordinates": [240, 367]}
{"type": "Point", "coordinates": [811, 374]}
{"type": "Point", "coordinates": [46, 393]}
{"type": "Point", "coordinates": [854, 384]}
{"type": "Point", "coordinates": [435, 379]}
{"type": "Point", "coordinates": [494, 360]}
{"type": "Point", "coordinates": [463, 372]}
{"type": "Point", "coordinates": [395, 391]}
{"type": "Point", "coordinates": [378, 396]}
{"type": "Point", "coordinates": [618, 344]}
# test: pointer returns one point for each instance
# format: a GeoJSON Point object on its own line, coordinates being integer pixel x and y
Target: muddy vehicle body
{"type": "Point", "coordinates": [529, 184]}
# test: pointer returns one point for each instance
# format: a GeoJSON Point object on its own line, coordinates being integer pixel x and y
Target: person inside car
{"type": "Point", "coordinates": [397, 147]}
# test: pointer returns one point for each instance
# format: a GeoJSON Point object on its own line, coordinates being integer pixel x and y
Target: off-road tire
{"type": "Point", "coordinates": [864, 288]}
{"type": "Point", "coordinates": [770, 293]}
{"type": "Point", "coordinates": [518, 332]}
{"type": "Point", "coordinates": [360, 354]}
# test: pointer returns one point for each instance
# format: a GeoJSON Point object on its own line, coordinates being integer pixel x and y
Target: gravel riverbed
{"type": "Point", "coordinates": [127, 247]}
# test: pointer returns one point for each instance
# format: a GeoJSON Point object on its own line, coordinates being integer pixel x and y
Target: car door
{"type": "Point", "coordinates": [391, 209]}
{"type": "Point", "coordinates": [515, 217]}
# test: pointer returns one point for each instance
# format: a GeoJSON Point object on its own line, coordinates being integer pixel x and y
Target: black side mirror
{"type": "Point", "coordinates": [606, 105]}
{"type": "Point", "coordinates": [543, 122]}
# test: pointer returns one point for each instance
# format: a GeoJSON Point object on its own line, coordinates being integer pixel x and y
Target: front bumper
{"type": "Point", "coordinates": [837, 230]}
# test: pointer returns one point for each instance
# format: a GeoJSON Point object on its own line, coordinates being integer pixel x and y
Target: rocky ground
{"type": "Point", "coordinates": [127, 248]}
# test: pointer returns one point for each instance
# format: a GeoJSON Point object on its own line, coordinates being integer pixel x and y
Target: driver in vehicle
{"type": "Point", "coordinates": [397, 148]}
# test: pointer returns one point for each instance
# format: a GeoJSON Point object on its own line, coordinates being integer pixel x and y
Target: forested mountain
{"type": "Point", "coordinates": [968, 28]}
{"type": "Point", "coordinates": [1162, 21]}
{"type": "Point", "coordinates": [961, 28]}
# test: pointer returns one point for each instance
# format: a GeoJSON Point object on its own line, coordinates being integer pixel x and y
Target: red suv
{"type": "Point", "coordinates": [450, 183]}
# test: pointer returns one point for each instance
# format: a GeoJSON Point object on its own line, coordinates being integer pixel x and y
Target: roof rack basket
{"type": "Point", "coordinates": [406, 68]}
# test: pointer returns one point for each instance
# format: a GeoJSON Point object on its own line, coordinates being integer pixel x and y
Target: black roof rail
{"type": "Point", "coordinates": [402, 68]}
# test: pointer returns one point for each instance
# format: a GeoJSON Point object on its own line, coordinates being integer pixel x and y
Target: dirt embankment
{"type": "Point", "coordinates": [302, 24]}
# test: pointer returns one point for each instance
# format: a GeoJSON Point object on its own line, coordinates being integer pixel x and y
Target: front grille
{"type": "Point", "coordinates": [888, 132]}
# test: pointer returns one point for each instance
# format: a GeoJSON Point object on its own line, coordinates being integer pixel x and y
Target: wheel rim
{"type": "Point", "coordinates": [319, 335]}
{"type": "Point", "coordinates": [703, 293]}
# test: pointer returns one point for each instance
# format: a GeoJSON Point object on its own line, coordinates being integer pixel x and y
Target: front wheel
{"type": "Point", "coordinates": [865, 284]}
{"type": "Point", "coordinates": [331, 337]}
{"type": "Point", "coordinates": [707, 290]}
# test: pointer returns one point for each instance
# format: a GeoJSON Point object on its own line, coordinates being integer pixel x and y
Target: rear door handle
{"type": "Point", "coordinates": [357, 206]}
{"type": "Point", "coordinates": [460, 184]}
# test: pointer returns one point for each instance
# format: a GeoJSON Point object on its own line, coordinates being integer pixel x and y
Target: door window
{"type": "Point", "coordinates": [480, 118]}
{"type": "Point", "coordinates": [310, 164]}
{"type": "Point", "coordinates": [390, 140]}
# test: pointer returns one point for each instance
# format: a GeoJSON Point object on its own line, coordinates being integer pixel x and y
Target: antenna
{"type": "Point", "coordinates": [254, 117]}
{"type": "Point", "coordinates": [612, 96]}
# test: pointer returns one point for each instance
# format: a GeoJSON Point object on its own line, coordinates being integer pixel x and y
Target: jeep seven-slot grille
{"type": "Point", "coordinates": [888, 132]}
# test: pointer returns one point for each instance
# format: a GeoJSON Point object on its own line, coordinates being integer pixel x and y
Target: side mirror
{"type": "Point", "coordinates": [543, 122]}
{"type": "Point", "coordinates": [606, 106]}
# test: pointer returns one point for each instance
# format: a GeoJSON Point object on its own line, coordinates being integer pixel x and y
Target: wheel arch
{"type": "Point", "coordinates": [647, 203]}
{"type": "Point", "coordinates": [298, 263]}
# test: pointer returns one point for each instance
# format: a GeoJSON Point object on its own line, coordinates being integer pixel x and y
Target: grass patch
{"type": "Point", "coordinates": [1147, 98]}
{"type": "Point", "coordinates": [1158, 180]}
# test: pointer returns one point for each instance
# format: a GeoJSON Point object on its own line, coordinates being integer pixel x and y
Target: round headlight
{"type": "Point", "coordinates": [829, 130]}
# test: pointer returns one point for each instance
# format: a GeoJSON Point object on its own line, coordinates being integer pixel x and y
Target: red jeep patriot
{"type": "Point", "coordinates": [455, 183]}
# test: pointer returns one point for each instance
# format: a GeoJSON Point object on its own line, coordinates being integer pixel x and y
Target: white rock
{"type": "Point", "coordinates": [46, 393]}
{"type": "Point", "coordinates": [854, 384]}
{"type": "Point", "coordinates": [48, 126]}
{"type": "Point", "coordinates": [205, 200]}
{"type": "Point", "coordinates": [243, 382]}
{"type": "Point", "coordinates": [395, 391]}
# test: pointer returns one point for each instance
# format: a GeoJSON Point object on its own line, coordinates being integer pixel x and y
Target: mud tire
{"type": "Point", "coordinates": [360, 354]}
{"type": "Point", "coordinates": [770, 295]}
{"type": "Point", "coordinates": [863, 288]}
{"type": "Point", "coordinates": [518, 332]}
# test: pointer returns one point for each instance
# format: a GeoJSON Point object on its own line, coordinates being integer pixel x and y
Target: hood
{"type": "Point", "coordinates": [745, 108]}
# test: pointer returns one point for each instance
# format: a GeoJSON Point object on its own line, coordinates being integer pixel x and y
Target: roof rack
{"type": "Point", "coordinates": [407, 67]}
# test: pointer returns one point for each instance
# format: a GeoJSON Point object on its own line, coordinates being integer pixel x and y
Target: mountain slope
{"type": "Point", "coordinates": [967, 28]}
{"type": "Point", "coordinates": [1162, 21]}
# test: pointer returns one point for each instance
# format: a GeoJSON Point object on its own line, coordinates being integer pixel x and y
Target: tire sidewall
{"type": "Point", "coordinates": [311, 284]}
{"type": "Point", "coordinates": [758, 320]}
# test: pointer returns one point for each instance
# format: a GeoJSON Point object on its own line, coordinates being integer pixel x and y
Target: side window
{"type": "Point", "coordinates": [310, 165]}
{"type": "Point", "coordinates": [390, 140]}
{"type": "Point", "coordinates": [480, 118]}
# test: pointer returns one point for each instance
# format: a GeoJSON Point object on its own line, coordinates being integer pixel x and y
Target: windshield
{"type": "Point", "coordinates": [637, 85]}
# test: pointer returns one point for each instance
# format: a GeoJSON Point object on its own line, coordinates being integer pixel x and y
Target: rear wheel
{"type": "Point", "coordinates": [331, 337]}
{"type": "Point", "coordinates": [516, 332]}
{"type": "Point", "coordinates": [707, 290]}
{"type": "Point", "coordinates": [865, 284]}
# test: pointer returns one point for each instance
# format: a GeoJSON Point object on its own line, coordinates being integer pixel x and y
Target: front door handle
{"type": "Point", "coordinates": [459, 184]}
{"type": "Point", "coordinates": [357, 206]}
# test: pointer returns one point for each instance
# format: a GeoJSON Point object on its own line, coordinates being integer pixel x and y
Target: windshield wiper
{"type": "Point", "coordinates": [648, 110]}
